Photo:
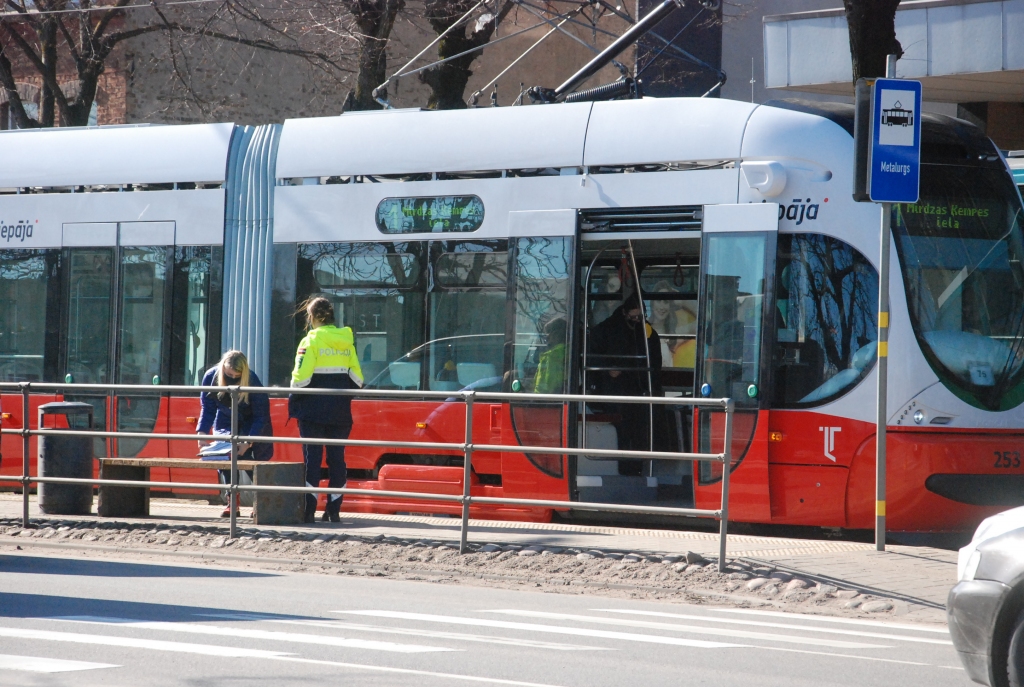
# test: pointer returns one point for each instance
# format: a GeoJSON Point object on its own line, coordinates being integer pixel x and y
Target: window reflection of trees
{"type": "Point", "coordinates": [827, 325]}
{"type": "Point", "coordinates": [23, 281]}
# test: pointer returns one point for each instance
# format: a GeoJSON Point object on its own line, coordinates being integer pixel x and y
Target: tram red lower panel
{"type": "Point", "coordinates": [790, 473]}
{"type": "Point", "coordinates": [915, 455]}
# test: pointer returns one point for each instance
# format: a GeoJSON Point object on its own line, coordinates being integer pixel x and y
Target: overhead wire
{"type": "Point", "coordinates": [476, 94]}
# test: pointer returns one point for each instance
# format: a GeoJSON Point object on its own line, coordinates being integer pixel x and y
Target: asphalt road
{"type": "Point", "coordinates": [114, 622]}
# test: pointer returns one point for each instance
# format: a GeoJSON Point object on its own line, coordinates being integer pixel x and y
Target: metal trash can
{"type": "Point", "coordinates": [65, 457]}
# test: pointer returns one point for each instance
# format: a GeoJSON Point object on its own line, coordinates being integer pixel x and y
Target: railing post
{"type": "Point", "coordinates": [233, 487]}
{"type": "Point", "coordinates": [467, 471]}
{"type": "Point", "coordinates": [726, 468]}
{"type": "Point", "coordinates": [25, 437]}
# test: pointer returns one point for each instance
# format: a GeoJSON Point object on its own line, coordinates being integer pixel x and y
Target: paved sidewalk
{"type": "Point", "coordinates": [917, 578]}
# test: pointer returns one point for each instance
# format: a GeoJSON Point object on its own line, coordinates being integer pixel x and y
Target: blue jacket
{"type": "Point", "coordinates": [254, 416]}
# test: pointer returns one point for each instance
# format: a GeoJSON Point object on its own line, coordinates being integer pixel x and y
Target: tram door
{"type": "Point", "coordinates": [737, 308]}
{"type": "Point", "coordinates": [115, 322]}
{"type": "Point", "coordinates": [637, 314]}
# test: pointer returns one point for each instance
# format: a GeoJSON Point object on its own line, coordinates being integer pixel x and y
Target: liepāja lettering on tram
{"type": "Point", "coordinates": [490, 249]}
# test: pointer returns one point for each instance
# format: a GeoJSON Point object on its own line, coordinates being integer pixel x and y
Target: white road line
{"type": "Point", "coordinates": [246, 633]}
{"type": "Point", "coordinates": [455, 636]}
{"type": "Point", "coordinates": [135, 643]}
{"type": "Point", "coordinates": [786, 626]}
{"type": "Point", "coordinates": [552, 629]}
{"type": "Point", "coordinates": [859, 658]}
{"type": "Point", "coordinates": [34, 664]}
{"type": "Point", "coordinates": [410, 671]}
{"type": "Point", "coordinates": [676, 627]}
{"type": "Point", "coordinates": [826, 619]}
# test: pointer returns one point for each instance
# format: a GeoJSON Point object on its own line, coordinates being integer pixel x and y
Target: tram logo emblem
{"type": "Point", "coordinates": [830, 440]}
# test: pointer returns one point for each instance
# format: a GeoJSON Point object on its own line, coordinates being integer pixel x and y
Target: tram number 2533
{"type": "Point", "coordinates": [1007, 459]}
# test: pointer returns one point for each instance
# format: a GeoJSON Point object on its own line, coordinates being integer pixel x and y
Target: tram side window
{"type": "Point", "coordinates": [24, 277]}
{"type": "Point", "coordinates": [541, 314]}
{"type": "Point", "coordinates": [377, 290]}
{"type": "Point", "coordinates": [467, 315]}
{"type": "Point", "coordinates": [826, 325]}
{"type": "Point", "coordinates": [195, 312]}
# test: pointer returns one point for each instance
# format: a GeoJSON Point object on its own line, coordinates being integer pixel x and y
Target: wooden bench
{"type": "Point", "coordinates": [272, 508]}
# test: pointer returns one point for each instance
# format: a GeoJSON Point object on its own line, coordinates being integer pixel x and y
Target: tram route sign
{"type": "Point", "coordinates": [887, 141]}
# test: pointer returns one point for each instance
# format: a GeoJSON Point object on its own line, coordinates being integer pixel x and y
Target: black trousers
{"type": "Point", "coordinates": [314, 455]}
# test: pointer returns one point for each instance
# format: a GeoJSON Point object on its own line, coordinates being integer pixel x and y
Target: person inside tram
{"type": "Point", "coordinates": [621, 342]}
{"type": "Point", "coordinates": [253, 409]}
{"type": "Point", "coordinates": [326, 359]}
{"type": "Point", "coordinates": [550, 377]}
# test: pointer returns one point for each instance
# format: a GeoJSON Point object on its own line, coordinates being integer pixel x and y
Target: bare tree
{"type": "Point", "coordinates": [872, 25]}
{"type": "Point", "coordinates": [55, 38]}
{"type": "Point", "coordinates": [374, 20]}
{"type": "Point", "coordinates": [448, 80]}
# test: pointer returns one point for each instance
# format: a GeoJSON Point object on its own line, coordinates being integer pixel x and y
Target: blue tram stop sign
{"type": "Point", "coordinates": [894, 166]}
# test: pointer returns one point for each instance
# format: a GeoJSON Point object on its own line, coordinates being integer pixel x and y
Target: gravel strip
{"type": "Point", "coordinates": [633, 574]}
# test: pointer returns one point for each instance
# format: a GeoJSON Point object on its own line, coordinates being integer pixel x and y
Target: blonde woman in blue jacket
{"type": "Point", "coordinates": [326, 359]}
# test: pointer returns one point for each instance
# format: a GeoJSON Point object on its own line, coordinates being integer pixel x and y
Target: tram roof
{"type": "Point", "coordinates": [649, 130]}
{"type": "Point", "coordinates": [111, 155]}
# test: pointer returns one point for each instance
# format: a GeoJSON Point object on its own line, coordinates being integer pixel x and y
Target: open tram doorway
{"type": "Point", "coordinates": [637, 325]}
{"type": "Point", "coordinates": [671, 302]}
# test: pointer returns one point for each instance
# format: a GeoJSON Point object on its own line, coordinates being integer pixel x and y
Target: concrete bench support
{"type": "Point", "coordinates": [123, 502]}
{"type": "Point", "coordinates": [279, 508]}
{"type": "Point", "coordinates": [133, 502]}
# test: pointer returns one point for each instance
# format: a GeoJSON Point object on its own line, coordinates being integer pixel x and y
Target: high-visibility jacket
{"type": "Point", "coordinates": [326, 359]}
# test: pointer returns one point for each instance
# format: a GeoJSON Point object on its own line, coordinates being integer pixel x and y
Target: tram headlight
{"type": "Point", "coordinates": [919, 417]}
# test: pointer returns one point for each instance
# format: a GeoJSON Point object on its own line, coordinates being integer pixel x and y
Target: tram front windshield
{"type": "Point", "coordinates": [960, 248]}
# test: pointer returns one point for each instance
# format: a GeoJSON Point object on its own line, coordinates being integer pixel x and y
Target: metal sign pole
{"type": "Point", "coordinates": [881, 418]}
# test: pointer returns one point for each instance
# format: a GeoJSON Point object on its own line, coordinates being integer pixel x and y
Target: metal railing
{"type": "Point", "coordinates": [467, 447]}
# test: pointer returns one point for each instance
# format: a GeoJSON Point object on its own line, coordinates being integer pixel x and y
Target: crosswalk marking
{"type": "Point", "coordinates": [233, 652]}
{"type": "Point", "coordinates": [456, 636]}
{"type": "Point", "coordinates": [787, 626]}
{"type": "Point", "coordinates": [35, 664]}
{"type": "Point", "coordinates": [411, 671]}
{"type": "Point", "coordinates": [858, 658]}
{"type": "Point", "coordinates": [827, 619]}
{"type": "Point", "coordinates": [136, 643]}
{"type": "Point", "coordinates": [536, 627]}
{"type": "Point", "coordinates": [193, 628]}
{"type": "Point", "coordinates": [676, 627]}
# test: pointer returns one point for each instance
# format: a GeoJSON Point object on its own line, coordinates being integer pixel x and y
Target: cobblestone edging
{"type": "Point", "coordinates": [689, 577]}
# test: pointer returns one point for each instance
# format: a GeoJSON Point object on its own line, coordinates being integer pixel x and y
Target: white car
{"type": "Point", "coordinates": [986, 607]}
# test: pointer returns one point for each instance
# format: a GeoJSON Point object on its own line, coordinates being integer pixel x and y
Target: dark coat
{"type": "Point", "coordinates": [253, 418]}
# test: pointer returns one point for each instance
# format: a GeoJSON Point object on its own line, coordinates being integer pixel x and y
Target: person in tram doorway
{"type": "Point", "coordinates": [253, 420]}
{"type": "Point", "coordinates": [625, 340]}
{"type": "Point", "coordinates": [326, 359]}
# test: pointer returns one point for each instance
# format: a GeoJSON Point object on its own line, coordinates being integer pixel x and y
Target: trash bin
{"type": "Point", "coordinates": [65, 457]}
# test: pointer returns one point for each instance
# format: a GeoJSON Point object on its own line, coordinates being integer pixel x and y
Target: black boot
{"type": "Point", "coordinates": [310, 515]}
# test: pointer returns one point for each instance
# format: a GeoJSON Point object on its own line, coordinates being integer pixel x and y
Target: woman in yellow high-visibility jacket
{"type": "Point", "coordinates": [326, 359]}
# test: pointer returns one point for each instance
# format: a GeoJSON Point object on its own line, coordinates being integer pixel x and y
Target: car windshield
{"type": "Point", "coordinates": [960, 248]}
{"type": "Point", "coordinates": [456, 363]}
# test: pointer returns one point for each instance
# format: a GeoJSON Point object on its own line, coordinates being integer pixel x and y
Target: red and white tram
{"type": "Point", "coordinates": [483, 248]}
